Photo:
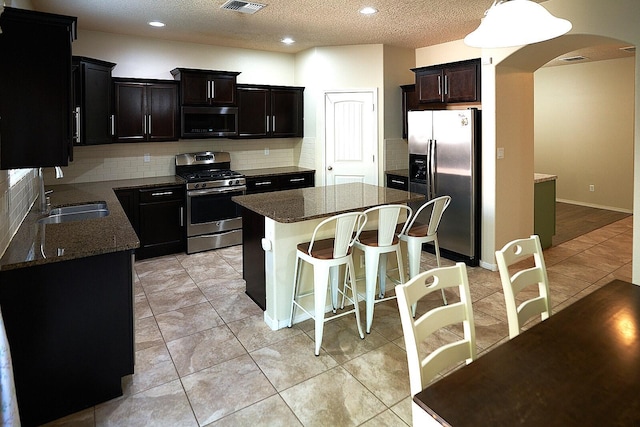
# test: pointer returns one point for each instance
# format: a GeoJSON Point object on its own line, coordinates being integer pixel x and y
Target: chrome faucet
{"type": "Point", "coordinates": [44, 200]}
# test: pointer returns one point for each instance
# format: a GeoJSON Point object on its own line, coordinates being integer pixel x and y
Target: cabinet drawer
{"type": "Point", "coordinates": [262, 184]}
{"type": "Point", "coordinates": [162, 194]}
{"type": "Point", "coordinates": [299, 180]}
{"type": "Point", "coordinates": [398, 182]}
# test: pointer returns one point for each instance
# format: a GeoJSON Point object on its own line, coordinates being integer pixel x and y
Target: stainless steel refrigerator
{"type": "Point", "coordinates": [444, 159]}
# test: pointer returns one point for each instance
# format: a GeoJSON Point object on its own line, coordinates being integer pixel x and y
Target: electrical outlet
{"type": "Point", "coordinates": [147, 158]}
{"type": "Point", "coordinates": [592, 187]}
{"type": "Point", "coordinates": [266, 151]}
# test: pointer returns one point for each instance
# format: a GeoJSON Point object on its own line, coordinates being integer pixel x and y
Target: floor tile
{"type": "Point", "coordinates": [226, 388]}
{"type": "Point", "coordinates": [204, 349]}
{"type": "Point", "coordinates": [188, 320]}
{"type": "Point", "coordinates": [297, 355]}
{"type": "Point", "coordinates": [165, 405]}
{"type": "Point", "coordinates": [334, 398]}
{"type": "Point", "coordinates": [384, 372]}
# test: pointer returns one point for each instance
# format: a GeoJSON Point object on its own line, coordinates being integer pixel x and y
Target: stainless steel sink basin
{"type": "Point", "coordinates": [76, 213]}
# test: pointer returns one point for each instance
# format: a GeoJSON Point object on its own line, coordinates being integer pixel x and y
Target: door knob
{"type": "Point", "coordinates": [330, 168]}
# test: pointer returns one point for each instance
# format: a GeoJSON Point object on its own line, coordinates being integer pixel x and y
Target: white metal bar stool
{"type": "Point", "coordinates": [415, 234]}
{"type": "Point", "coordinates": [327, 255]}
{"type": "Point", "coordinates": [376, 244]}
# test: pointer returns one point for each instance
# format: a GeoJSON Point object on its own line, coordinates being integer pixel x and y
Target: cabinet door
{"type": "Point", "coordinates": [161, 221]}
{"type": "Point", "coordinates": [195, 89]}
{"type": "Point", "coordinates": [222, 90]}
{"type": "Point", "coordinates": [461, 83]}
{"type": "Point", "coordinates": [286, 113]}
{"type": "Point", "coordinates": [130, 112]}
{"type": "Point", "coordinates": [35, 89]}
{"type": "Point", "coordinates": [162, 111]}
{"type": "Point", "coordinates": [253, 104]}
{"type": "Point", "coordinates": [95, 108]}
{"type": "Point", "coordinates": [429, 85]}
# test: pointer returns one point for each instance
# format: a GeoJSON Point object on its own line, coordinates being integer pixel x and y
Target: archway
{"type": "Point", "coordinates": [510, 204]}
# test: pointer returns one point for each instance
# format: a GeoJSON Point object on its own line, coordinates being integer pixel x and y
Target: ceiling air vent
{"type": "Point", "coordinates": [574, 58]}
{"type": "Point", "coordinates": [630, 49]}
{"type": "Point", "coordinates": [242, 6]}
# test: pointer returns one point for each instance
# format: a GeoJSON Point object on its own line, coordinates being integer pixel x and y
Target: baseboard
{"type": "Point", "coordinates": [592, 205]}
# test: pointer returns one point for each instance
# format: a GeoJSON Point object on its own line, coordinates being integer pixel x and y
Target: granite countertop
{"type": "Point", "coordinates": [283, 170]}
{"type": "Point", "coordinates": [316, 202]}
{"type": "Point", "coordinates": [542, 177]}
{"type": "Point", "coordinates": [36, 244]}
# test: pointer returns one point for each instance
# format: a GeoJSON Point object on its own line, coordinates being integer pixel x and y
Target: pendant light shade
{"type": "Point", "coordinates": [511, 23]}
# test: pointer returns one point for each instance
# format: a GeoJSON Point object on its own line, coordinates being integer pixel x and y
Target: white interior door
{"type": "Point", "coordinates": [351, 135]}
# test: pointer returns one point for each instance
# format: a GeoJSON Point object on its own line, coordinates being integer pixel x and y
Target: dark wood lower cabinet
{"type": "Point", "coordinates": [70, 331]}
{"type": "Point", "coordinates": [157, 216]}
{"type": "Point", "coordinates": [253, 257]}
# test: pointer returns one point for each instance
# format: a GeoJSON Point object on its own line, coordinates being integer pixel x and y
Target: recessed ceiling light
{"type": "Point", "coordinates": [368, 10]}
{"type": "Point", "coordinates": [156, 24]}
{"type": "Point", "coordinates": [288, 40]}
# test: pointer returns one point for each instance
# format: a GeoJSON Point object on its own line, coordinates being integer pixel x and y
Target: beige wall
{"type": "Point", "coordinates": [584, 131]}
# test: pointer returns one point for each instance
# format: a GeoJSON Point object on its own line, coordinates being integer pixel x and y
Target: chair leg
{"type": "Point", "coordinates": [437, 247]}
{"type": "Point", "coordinates": [350, 272]}
{"type": "Point", "coordinates": [414, 249]}
{"type": "Point", "coordinates": [333, 279]}
{"type": "Point", "coordinates": [320, 284]}
{"type": "Point", "coordinates": [371, 275]}
{"type": "Point", "coordinates": [382, 274]}
{"type": "Point", "coordinates": [296, 278]}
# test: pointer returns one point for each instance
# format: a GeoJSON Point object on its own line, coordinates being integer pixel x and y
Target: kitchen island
{"type": "Point", "coordinates": [274, 223]}
{"type": "Point", "coordinates": [66, 293]}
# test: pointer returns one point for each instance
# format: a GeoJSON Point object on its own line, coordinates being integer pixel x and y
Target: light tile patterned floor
{"type": "Point", "coordinates": [206, 358]}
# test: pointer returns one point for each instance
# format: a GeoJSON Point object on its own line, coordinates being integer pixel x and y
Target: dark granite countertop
{"type": "Point", "coordinates": [36, 244]}
{"type": "Point", "coordinates": [399, 172]}
{"type": "Point", "coordinates": [283, 170]}
{"type": "Point", "coordinates": [317, 202]}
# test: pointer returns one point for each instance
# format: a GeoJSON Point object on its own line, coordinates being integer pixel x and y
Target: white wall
{"type": "Point", "coordinates": [584, 131]}
{"type": "Point", "coordinates": [153, 58]}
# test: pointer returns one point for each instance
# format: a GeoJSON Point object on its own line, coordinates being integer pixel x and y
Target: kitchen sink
{"type": "Point", "coordinates": [76, 213]}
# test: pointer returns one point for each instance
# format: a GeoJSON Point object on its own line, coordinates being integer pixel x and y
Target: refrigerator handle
{"type": "Point", "coordinates": [432, 169]}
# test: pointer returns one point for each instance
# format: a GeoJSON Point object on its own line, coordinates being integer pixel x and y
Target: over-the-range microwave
{"type": "Point", "coordinates": [208, 122]}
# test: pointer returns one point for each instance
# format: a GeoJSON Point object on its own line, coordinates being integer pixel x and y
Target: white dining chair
{"type": "Point", "coordinates": [376, 244]}
{"type": "Point", "coordinates": [417, 232]}
{"type": "Point", "coordinates": [521, 265]}
{"type": "Point", "coordinates": [423, 368]}
{"type": "Point", "coordinates": [326, 255]}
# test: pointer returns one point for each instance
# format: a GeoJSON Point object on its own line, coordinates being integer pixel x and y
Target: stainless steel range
{"type": "Point", "coordinates": [213, 219]}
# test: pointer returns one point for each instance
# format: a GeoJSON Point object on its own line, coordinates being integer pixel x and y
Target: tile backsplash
{"type": "Point", "coordinates": [141, 160]}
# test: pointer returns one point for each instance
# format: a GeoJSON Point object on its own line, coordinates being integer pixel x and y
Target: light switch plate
{"type": "Point", "coordinates": [500, 152]}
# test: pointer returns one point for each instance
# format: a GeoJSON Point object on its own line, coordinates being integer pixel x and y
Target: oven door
{"type": "Point", "coordinates": [212, 210]}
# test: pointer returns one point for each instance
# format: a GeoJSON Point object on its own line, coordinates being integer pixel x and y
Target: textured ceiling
{"type": "Point", "coordinates": [311, 23]}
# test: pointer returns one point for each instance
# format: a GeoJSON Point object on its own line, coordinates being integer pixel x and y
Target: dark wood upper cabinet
{"type": "Point", "coordinates": [449, 83]}
{"type": "Point", "coordinates": [93, 87]}
{"type": "Point", "coordinates": [270, 111]}
{"type": "Point", "coordinates": [36, 101]}
{"type": "Point", "coordinates": [206, 87]}
{"type": "Point", "coordinates": [146, 110]}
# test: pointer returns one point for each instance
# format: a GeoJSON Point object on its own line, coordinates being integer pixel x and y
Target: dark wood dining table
{"type": "Point", "coordinates": [580, 367]}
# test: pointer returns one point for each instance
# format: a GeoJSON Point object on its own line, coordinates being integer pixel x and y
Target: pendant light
{"type": "Point", "coordinates": [510, 23]}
